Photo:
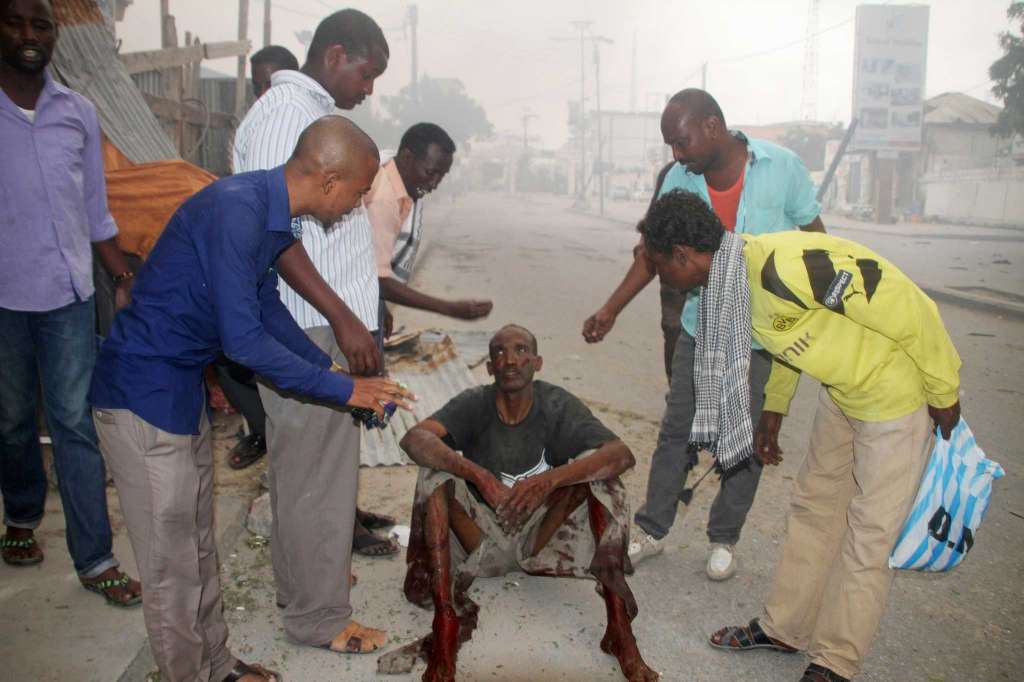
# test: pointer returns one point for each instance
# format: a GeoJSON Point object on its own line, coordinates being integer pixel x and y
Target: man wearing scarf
{"type": "Point", "coordinates": [837, 311]}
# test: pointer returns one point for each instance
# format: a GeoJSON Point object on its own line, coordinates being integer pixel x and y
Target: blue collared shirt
{"type": "Point", "coordinates": [209, 286]}
{"type": "Point", "coordinates": [53, 200]}
{"type": "Point", "coordinates": [777, 195]}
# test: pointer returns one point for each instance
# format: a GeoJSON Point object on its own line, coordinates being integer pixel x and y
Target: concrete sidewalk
{"type": "Point", "coordinates": [53, 629]}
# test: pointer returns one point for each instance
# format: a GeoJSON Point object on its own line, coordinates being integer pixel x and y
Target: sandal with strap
{"type": "Point", "coordinates": [369, 544]}
{"type": "Point", "coordinates": [242, 669]}
{"type": "Point", "coordinates": [26, 551]}
{"type": "Point", "coordinates": [372, 521]}
{"type": "Point", "coordinates": [747, 638]}
{"type": "Point", "coordinates": [104, 587]}
{"type": "Point", "coordinates": [818, 673]}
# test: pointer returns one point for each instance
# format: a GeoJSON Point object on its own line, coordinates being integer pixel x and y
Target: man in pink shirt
{"type": "Point", "coordinates": [424, 157]}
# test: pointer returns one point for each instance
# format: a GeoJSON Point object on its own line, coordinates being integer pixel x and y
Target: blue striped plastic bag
{"type": "Point", "coordinates": [954, 494]}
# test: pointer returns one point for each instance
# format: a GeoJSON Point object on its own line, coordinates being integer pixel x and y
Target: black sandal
{"type": "Point", "coordinates": [372, 545]}
{"type": "Point", "coordinates": [242, 669]}
{"type": "Point", "coordinates": [373, 521]}
{"type": "Point", "coordinates": [249, 450]}
{"type": "Point", "coordinates": [818, 673]}
{"type": "Point", "coordinates": [747, 638]}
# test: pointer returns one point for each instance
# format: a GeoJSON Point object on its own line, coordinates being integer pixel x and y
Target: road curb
{"type": "Point", "coordinates": [975, 302]}
{"type": "Point", "coordinates": [230, 512]}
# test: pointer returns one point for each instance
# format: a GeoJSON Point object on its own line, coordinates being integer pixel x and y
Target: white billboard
{"type": "Point", "coordinates": [890, 54]}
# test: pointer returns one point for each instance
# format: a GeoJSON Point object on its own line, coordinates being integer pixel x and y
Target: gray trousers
{"type": "Point", "coordinates": [314, 478]}
{"type": "Point", "coordinates": [672, 459]}
{"type": "Point", "coordinates": [165, 484]}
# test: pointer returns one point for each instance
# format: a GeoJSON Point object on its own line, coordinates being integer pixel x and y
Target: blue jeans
{"type": "Point", "coordinates": [58, 349]}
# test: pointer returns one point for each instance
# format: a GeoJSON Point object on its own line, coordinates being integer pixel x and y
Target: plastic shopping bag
{"type": "Point", "coordinates": [954, 494]}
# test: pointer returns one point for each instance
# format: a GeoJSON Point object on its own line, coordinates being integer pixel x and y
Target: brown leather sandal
{"type": "Point", "coordinates": [818, 673]}
{"type": "Point", "coordinates": [242, 669]}
{"type": "Point", "coordinates": [747, 638]}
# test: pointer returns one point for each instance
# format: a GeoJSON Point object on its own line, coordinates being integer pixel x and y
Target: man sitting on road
{"type": "Point", "coordinates": [849, 318]}
{"type": "Point", "coordinates": [536, 489]}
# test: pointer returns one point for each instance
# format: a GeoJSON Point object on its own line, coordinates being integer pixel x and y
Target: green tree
{"type": "Point", "coordinates": [1008, 74]}
{"type": "Point", "coordinates": [442, 101]}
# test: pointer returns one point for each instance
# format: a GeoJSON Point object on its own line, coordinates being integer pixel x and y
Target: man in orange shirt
{"type": "Point", "coordinates": [753, 186]}
{"type": "Point", "coordinates": [424, 157]}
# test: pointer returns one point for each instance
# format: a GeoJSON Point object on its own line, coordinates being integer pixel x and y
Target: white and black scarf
{"type": "Point", "coordinates": [721, 364]}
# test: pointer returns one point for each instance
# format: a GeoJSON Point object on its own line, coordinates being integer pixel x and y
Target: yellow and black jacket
{"type": "Point", "coordinates": [849, 318]}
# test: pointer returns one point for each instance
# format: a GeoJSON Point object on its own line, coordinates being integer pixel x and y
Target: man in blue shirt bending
{"type": "Point", "coordinates": [209, 286]}
{"type": "Point", "coordinates": [753, 186]}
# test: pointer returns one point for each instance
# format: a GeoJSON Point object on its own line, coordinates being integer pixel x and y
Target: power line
{"type": "Point", "coordinates": [779, 48]}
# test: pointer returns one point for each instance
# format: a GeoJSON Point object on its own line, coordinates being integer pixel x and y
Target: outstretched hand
{"type": "Point", "coordinates": [470, 309]}
{"type": "Point", "coordinates": [598, 325]}
{"type": "Point", "coordinates": [946, 418]}
{"type": "Point", "coordinates": [375, 392]}
{"type": "Point", "coordinates": [766, 438]}
{"type": "Point", "coordinates": [525, 497]}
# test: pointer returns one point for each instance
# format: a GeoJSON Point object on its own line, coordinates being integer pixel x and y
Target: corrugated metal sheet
{"type": "Point", "coordinates": [436, 373]}
{"type": "Point", "coordinates": [86, 60]}
{"type": "Point", "coordinates": [956, 107]}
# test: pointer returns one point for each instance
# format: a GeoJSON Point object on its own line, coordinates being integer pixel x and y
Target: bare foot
{"type": "Point", "coordinates": [441, 666]}
{"type": "Point", "coordinates": [622, 646]}
{"type": "Point", "coordinates": [356, 639]}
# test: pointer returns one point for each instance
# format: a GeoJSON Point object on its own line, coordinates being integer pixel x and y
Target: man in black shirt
{"type": "Point", "coordinates": [526, 478]}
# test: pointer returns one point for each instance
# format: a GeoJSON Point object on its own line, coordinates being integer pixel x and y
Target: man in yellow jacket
{"type": "Point", "coordinates": [850, 319]}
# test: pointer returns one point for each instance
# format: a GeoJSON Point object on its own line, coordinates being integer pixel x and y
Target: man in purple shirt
{"type": "Point", "coordinates": [53, 211]}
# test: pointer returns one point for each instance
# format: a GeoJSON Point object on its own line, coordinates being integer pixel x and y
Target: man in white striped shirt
{"type": "Point", "coordinates": [314, 450]}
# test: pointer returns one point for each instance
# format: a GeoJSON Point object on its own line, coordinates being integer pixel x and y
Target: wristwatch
{"type": "Point", "coordinates": [123, 277]}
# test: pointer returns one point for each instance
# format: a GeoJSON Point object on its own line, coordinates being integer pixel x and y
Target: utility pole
{"type": "Point", "coordinates": [414, 81]}
{"type": "Point", "coordinates": [809, 101]}
{"type": "Point", "coordinates": [704, 77]}
{"type": "Point", "coordinates": [582, 26]}
{"type": "Point", "coordinates": [526, 123]}
{"type": "Point", "coordinates": [266, 22]}
{"type": "Point", "coordinates": [632, 79]}
{"type": "Point", "coordinates": [599, 163]}
{"type": "Point", "coordinates": [243, 30]}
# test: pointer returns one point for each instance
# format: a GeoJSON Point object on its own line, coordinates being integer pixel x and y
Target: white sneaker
{"type": "Point", "coordinates": [643, 546]}
{"type": "Point", "coordinates": [721, 562]}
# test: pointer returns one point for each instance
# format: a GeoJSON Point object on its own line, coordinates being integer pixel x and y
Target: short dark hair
{"type": "Point", "coordinates": [681, 218]}
{"type": "Point", "coordinates": [353, 30]}
{"type": "Point", "coordinates": [279, 56]}
{"type": "Point", "coordinates": [420, 136]}
{"type": "Point", "coordinates": [698, 102]}
{"type": "Point", "coordinates": [530, 335]}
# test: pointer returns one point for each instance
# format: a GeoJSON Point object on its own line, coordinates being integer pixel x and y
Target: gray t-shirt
{"type": "Point", "coordinates": [558, 428]}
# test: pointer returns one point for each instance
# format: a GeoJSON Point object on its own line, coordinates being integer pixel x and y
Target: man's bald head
{"type": "Point", "coordinates": [694, 102]}
{"type": "Point", "coordinates": [334, 144]}
{"type": "Point", "coordinates": [331, 169]}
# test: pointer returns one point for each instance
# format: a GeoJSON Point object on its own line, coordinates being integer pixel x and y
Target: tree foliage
{"type": "Point", "coordinates": [1008, 74]}
{"type": "Point", "coordinates": [442, 101]}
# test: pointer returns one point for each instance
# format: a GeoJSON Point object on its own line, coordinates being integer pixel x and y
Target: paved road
{"type": "Point", "coordinates": [548, 267]}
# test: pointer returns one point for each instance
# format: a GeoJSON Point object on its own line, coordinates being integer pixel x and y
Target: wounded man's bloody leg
{"type": "Point", "coordinates": [445, 632]}
{"type": "Point", "coordinates": [618, 639]}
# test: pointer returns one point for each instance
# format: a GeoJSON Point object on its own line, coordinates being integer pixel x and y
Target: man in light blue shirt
{"type": "Point", "coordinates": [755, 187]}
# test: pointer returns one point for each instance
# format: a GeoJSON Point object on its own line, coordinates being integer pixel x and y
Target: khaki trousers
{"type": "Point", "coordinates": [314, 480]}
{"type": "Point", "coordinates": [165, 484]}
{"type": "Point", "coordinates": [850, 501]}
